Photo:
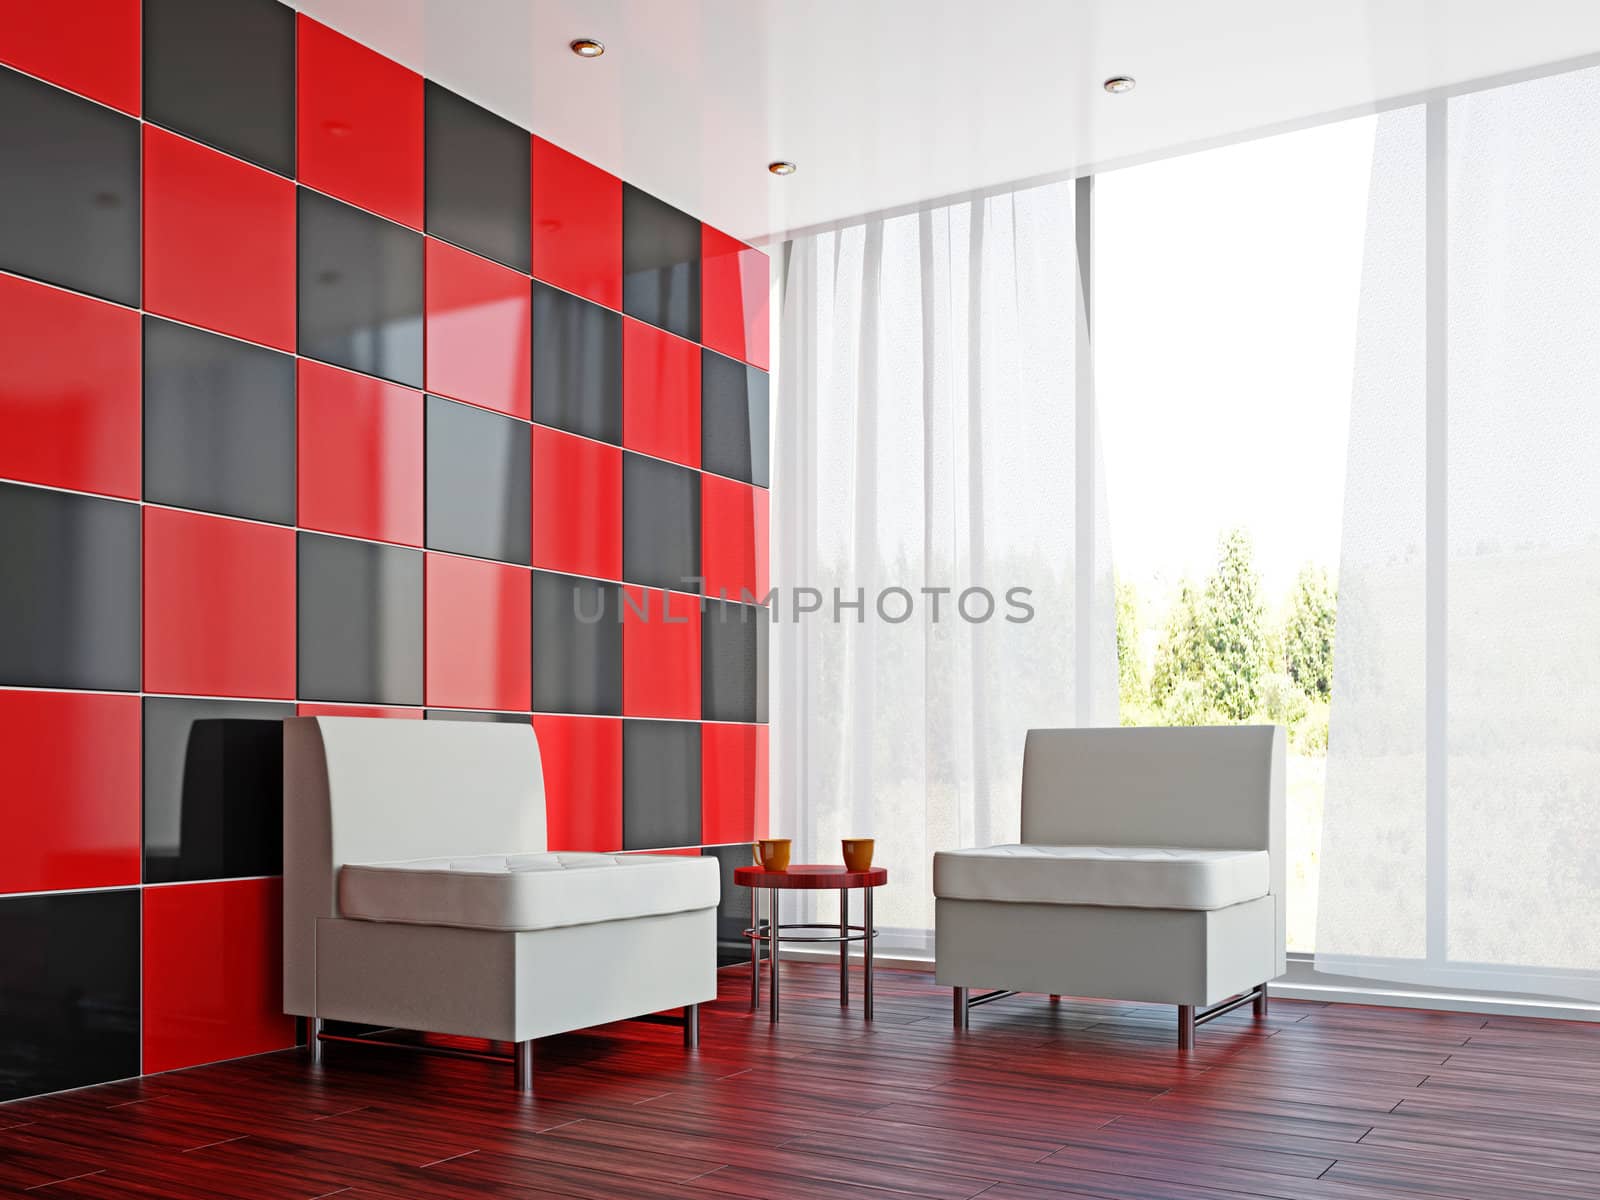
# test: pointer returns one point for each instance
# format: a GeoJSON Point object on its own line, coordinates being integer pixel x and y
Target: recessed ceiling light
{"type": "Point", "coordinates": [588, 48]}
{"type": "Point", "coordinates": [782, 168]}
{"type": "Point", "coordinates": [1118, 84]}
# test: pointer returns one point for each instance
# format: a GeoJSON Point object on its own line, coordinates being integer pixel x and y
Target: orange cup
{"type": "Point", "coordinates": [857, 853]}
{"type": "Point", "coordinates": [773, 854]}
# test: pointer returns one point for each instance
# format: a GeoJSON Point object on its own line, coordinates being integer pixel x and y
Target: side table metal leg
{"type": "Point", "coordinates": [844, 948]}
{"type": "Point", "coordinates": [871, 933]}
{"type": "Point", "coordinates": [772, 945]}
{"type": "Point", "coordinates": [755, 949]}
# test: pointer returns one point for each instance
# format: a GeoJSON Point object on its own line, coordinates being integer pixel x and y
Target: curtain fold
{"type": "Point", "coordinates": [924, 470]}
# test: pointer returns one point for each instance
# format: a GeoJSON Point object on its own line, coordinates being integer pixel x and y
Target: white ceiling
{"type": "Point", "coordinates": [889, 103]}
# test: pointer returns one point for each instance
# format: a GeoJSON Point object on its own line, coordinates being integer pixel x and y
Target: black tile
{"type": "Point", "coordinates": [464, 714]}
{"type": "Point", "coordinates": [733, 910]}
{"type": "Point", "coordinates": [360, 621]}
{"type": "Point", "coordinates": [360, 290]}
{"type": "Point", "coordinates": [577, 645]}
{"type": "Point", "coordinates": [478, 178]}
{"type": "Point", "coordinates": [660, 523]}
{"type": "Point", "coordinates": [480, 482]}
{"type": "Point", "coordinates": [733, 418]}
{"type": "Point", "coordinates": [222, 72]}
{"type": "Point", "coordinates": [733, 650]}
{"type": "Point", "coordinates": [69, 590]}
{"type": "Point", "coordinates": [219, 424]}
{"type": "Point", "coordinates": [69, 991]}
{"type": "Point", "coordinates": [660, 784]}
{"type": "Point", "coordinates": [69, 190]}
{"type": "Point", "coordinates": [577, 365]}
{"type": "Point", "coordinates": [213, 789]}
{"type": "Point", "coordinates": [660, 263]}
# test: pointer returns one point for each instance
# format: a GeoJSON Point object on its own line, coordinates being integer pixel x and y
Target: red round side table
{"type": "Point", "coordinates": [810, 878]}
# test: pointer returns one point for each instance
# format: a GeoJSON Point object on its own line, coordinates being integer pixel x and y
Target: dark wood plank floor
{"type": "Point", "coordinates": [1036, 1102]}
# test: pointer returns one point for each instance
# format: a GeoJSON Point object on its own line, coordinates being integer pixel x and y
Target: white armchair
{"type": "Point", "coordinates": [1151, 868]}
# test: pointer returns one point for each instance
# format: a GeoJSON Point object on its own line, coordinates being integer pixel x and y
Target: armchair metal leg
{"type": "Point", "coordinates": [524, 1066]}
{"type": "Point", "coordinates": [691, 1026]}
{"type": "Point", "coordinates": [1185, 1027]}
{"type": "Point", "coordinates": [314, 1039]}
{"type": "Point", "coordinates": [1261, 1002]}
{"type": "Point", "coordinates": [960, 996]}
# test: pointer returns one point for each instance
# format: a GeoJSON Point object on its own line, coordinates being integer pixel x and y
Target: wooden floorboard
{"type": "Point", "coordinates": [1036, 1101]}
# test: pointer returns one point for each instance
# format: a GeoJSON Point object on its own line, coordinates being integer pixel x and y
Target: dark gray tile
{"type": "Point", "coordinates": [660, 263]}
{"type": "Point", "coordinates": [733, 419]}
{"type": "Point", "coordinates": [69, 990]}
{"type": "Point", "coordinates": [361, 300]}
{"type": "Point", "coordinates": [219, 424]}
{"type": "Point", "coordinates": [577, 645]}
{"type": "Point", "coordinates": [733, 650]}
{"type": "Point", "coordinates": [69, 590]}
{"type": "Point", "coordinates": [466, 714]}
{"type": "Point", "coordinates": [660, 784]}
{"type": "Point", "coordinates": [69, 190]}
{"type": "Point", "coordinates": [360, 621]}
{"type": "Point", "coordinates": [213, 789]}
{"type": "Point", "coordinates": [577, 365]}
{"type": "Point", "coordinates": [222, 73]}
{"type": "Point", "coordinates": [479, 178]}
{"type": "Point", "coordinates": [733, 910]}
{"type": "Point", "coordinates": [479, 482]}
{"type": "Point", "coordinates": [660, 524]}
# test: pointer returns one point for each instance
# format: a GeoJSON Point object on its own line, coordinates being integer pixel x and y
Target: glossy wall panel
{"type": "Point", "coordinates": [660, 784]}
{"type": "Point", "coordinates": [219, 241]}
{"type": "Point", "coordinates": [660, 394]}
{"type": "Point", "coordinates": [360, 458]}
{"type": "Point", "coordinates": [69, 605]}
{"type": "Point", "coordinates": [577, 365]}
{"type": "Point", "coordinates": [582, 760]}
{"type": "Point", "coordinates": [733, 419]}
{"type": "Point", "coordinates": [660, 263]}
{"type": "Point", "coordinates": [68, 1019]}
{"type": "Point", "coordinates": [733, 539]}
{"type": "Point", "coordinates": [69, 210]}
{"type": "Point", "coordinates": [735, 285]}
{"type": "Point", "coordinates": [361, 293]}
{"type": "Point", "coordinates": [661, 654]}
{"type": "Point", "coordinates": [222, 72]}
{"type": "Point", "coordinates": [477, 178]}
{"type": "Point", "coordinates": [577, 504]}
{"type": "Point", "coordinates": [660, 524]}
{"type": "Point", "coordinates": [478, 330]}
{"type": "Point", "coordinates": [360, 622]}
{"type": "Point", "coordinates": [213, 788]}
{"type": "Point", "coordinates": [90, 47]}
{"type": "Point", "coordinates": [69, 390]}
{"type": "Point", "coordinates": [478, 634]}
{"type": "Point", "coordinates": [359, 120]}
{"type": "Point", "coordinates": [577, 225]}
{"type": "Point", "coordinates": [219, 417]}
{"type": "Point", "coordinates": [734, 655]}
{"type": "Point", "coordinates": [733, 773]}
{"type": "Point", "coordinates": [577, 645]}
{"type": "Point", "coordinates": [69, 791]}
{"type": "Point", "coordinates": [478, 484]}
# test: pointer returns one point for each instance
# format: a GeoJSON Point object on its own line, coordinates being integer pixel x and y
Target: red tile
{"type": "Point", "coordinates": [213, 972]}
{"type": "Point", "coordinates": [479, 331]}
{"type": "Point", "coordinates": [69, 791]}
{"type": "Point", "coordinates": [582, 758]}
{"type": "Point", "coordinates": [660, 654]}
{"type": "Point", "coordinates": [360, 124]}
{"type": "Point", "coordinates": [361, 455]}
{"type": "Point", "coordinates": [660, 393]}
{"type": "Point", "coordinates": [577, 505]}
{"type": "Point", "coordinates": [219, 606]}
{"type": "Point", "coordinates": [733, 538]}
{"type": "Point", "coordinates": [733, 783]}
{"type": "Point", "coordinates": [577, 225]}
{"type": "Point", "coordinates": [358, 710]}
{"type": "Point", "coordinates": [69, 390]}
{"type": "Point", "coordinates": [734, 282]}
{"type": "Point", "coordinates": [480, 633]}
{"type": "Point", "coordinates": [86, 46]}
{"type": "Point", "coordinates": [219, 241]}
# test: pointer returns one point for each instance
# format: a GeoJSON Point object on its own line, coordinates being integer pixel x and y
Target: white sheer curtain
{"type": "Point", "coordinates": [1462, 828]}
{"type": "Point", "coordinates": [925, 440]}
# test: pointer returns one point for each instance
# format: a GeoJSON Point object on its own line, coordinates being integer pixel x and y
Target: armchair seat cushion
{"type": "Point", "coordinates": [527, 891]}
{"type": "Point", "coordinates": [1112, 876]}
